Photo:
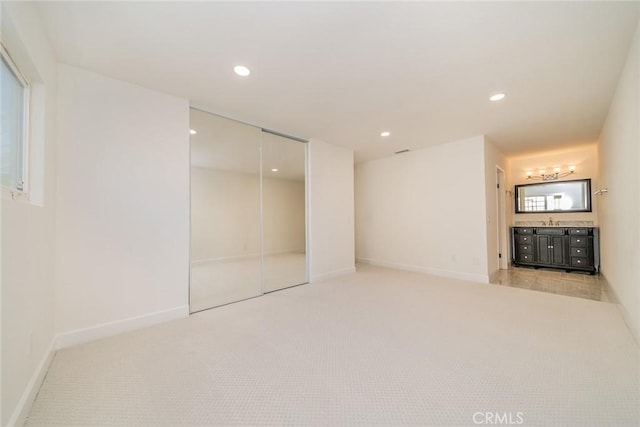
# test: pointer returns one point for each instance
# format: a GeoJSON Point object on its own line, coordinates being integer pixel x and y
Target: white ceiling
{"type": "Point", "coordinates": [343, 72]}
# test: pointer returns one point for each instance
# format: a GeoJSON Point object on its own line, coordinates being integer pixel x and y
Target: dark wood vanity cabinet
{"type": "Point", "coordinates": [569, 248]}
{"type": "Point", "coordinates": [550, 249]}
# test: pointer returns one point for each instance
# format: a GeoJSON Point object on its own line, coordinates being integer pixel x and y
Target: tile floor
{"type": "Point", "coordinates": [574, 284]}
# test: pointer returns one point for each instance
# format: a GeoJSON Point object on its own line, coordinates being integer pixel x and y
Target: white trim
{"type": "Point", "coordinates": [21, 193]}
{"type": "Point", "coordinates": [19, 416]}
{"type": "Point", "coordinates": [108, 329]}
{"type": "Point", "coordinates": [307, 211]}
{"type": "Point", "coordinates": [227, 258]}
{"type": "Point", "coordinates": [503, 232]}
{"type": "Point", "coordinates": [81, 336]}
{"type": "Point", "coordinates": [473, 277]}
{"type": "Point", "coordinates": [249, 256]}
{"type": "Point", "coordinates": [332, 274]}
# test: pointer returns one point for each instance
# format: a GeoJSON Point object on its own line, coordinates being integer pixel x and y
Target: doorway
{"type": "Point", "coordinates": [503, 249]}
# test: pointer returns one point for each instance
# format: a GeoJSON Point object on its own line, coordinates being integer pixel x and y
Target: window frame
{"type": "Point", "coordinates": [17, 192]}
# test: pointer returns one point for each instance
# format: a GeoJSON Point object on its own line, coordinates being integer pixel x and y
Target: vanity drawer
{"type": "Point", "coordinates": [525, 257]}
{"type": "Point", "coordinates": [526, 249]}
{"type": "Point", "coordinates": [578, 241]}
{"type": "Point", "coordinates": [579, 261]}
{"type": "Point", "coordinates": [524, 230]}
{"type": "Point", "coordinates": [525, 239]}
{"type": "Point", "coordinates": [579, 251]}
{"type": "Point", "coordinates": [553, 231]}
{"type": "Point", "coordinates": [578, 231]}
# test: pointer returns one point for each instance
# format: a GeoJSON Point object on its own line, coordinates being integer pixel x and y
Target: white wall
{"type": "Point", "coordinates": [28, 227]}
{"type": "Point", "coordinates": [425, 210]}
{"type": "Point", "coordinates": [123, 206]}
{"type": "Point", "coordinates": [225, 214]}
{"type": "Point", "coordinates": [619, 209]}
{"type": "Point", "coordinates": [331, 205]}
{"type": "Point", "coordinates": [584, 158]}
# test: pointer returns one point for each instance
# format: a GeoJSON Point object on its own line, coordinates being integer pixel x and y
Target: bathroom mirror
{"type": "Point", "coordinates": [554, 197]}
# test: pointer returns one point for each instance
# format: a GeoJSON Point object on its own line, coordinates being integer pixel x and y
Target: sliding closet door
{"type": "Point", "coordinates": [225, 211]}
{"type": "Point", "coordinates": [283, 211]}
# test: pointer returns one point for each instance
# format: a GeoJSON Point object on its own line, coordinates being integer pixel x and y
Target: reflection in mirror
{"type": "Point", "coordinates": [283, 211]}
{"type": "Point", "coordinates": [557, 196]}
{"type": "Point", "coordinates": [225, 211]}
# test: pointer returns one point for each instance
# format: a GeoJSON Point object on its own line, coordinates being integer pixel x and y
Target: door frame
{"type": "Point", "coordinates": [501, 226]}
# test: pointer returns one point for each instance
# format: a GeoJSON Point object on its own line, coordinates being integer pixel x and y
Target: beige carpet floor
{"type": "Point", "coordinates": [378, 347]}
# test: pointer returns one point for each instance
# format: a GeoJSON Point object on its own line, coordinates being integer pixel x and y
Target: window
{"type": "Point", "coordinates": [535, 203]}
{"type": "Point", "coordinates": [14, 107]}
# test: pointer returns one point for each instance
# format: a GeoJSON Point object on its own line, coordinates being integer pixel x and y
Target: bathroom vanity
{"type": "Point", "coordinates": [568, 248]}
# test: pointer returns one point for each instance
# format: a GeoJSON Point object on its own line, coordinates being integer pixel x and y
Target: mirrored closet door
{"type": "Point", "coordinates": [248, 211]}
{"type": "Point", "coordinates": [226, 261]}
{"type": "Point", "coordinates": [283, 211]}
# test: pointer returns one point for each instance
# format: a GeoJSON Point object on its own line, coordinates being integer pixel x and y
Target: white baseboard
{"type": "Point", "coordinates": [80, 336]}
{"type": "Point", "coordinates": [473, 277]}
{"type": "Point", "coordinates": [248, 256]}
{"type": "Point", "coordinates": [19, 416]}
{"type": "Point", "coordinates": [108, 329]}
{"type": "Point", "coordinates": [225, 259]}
{"type": "Point", "coordinates": [332, 274]}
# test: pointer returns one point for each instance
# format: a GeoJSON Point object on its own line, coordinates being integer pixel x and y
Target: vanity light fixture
{"type": "Point", "coordinates": [193, 131]}
{"type": "Point", "coordinates": [497, 96]}
{"type": "Point", "coordinates": [241, 70]}
{"type": "Point", "coordinates": [544, 176]}
{"type": "Point", "coordinates": [385, 133]}
{"type": "Point", "coordinates": [274, 170]}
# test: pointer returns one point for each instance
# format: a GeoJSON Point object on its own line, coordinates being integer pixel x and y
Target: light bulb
{"type": "Point", "coordinates": [241, 70]}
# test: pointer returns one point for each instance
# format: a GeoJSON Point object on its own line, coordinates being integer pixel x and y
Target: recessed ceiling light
{"type": "Point", "coordinates": [241, 70]}
{"type": "Point", "coordinates": [192, 131]}
{"type": "Point", "coordinates": [274, 170]}
{"type": "Point", "coordinates": [385, 133]}
{"type": "Point", "coordinates": [497, 97]}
